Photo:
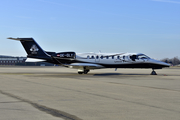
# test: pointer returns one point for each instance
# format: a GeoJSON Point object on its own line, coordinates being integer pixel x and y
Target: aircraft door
{"type": "Point", "coordinates": [126, 59]}
{"type": "Point", "coordinates": [133, 58]}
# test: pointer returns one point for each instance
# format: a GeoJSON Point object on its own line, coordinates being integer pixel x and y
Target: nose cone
{"type": "Point", "coordinates": [160, 63]}
{"type": "Point", "coordinates": [165, 64]}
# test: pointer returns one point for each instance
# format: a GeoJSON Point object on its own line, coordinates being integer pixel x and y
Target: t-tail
{"type": "Point", "coordinates": [33, 50]}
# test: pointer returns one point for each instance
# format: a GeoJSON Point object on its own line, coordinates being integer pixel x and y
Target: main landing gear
{"type": "Point", "coordinates": [153, 72]}
{"type": "Point", "coordinates": [83, 71]}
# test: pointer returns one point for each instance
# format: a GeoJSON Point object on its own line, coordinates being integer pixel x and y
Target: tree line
{"type": "Point", "coordinates": [174, 61]}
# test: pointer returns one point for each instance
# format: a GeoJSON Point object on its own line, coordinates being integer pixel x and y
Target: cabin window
{"type": "Point", "coordinates": [88, 57]}
{"type": "Point", "coordinates": [92, 57]}
{"type": "Point", "coordinates": [107, 57]}
{"type": "Point", "coordinates": [97, 57]}
{"type": "Point", "coordinates": [112, 57]}
{"type": "Point", "coordinates": [101, 57]}
{"type": "Point", "coordinates": [123, 57]}
{"type": "Point", "coordinates": [118, 57]}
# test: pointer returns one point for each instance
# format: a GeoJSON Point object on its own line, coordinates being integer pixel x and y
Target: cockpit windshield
{"type": "Point", "coordinates": [142, 56]}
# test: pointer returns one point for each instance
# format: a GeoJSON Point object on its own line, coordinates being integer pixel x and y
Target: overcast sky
{"type": "Point", "coordinates": [151, 27]}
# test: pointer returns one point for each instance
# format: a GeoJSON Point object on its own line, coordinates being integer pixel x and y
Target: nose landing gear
{"type": "Point", "coordinates": [86, 71]}
{"type": "Point", "coordinates": [153, 72]}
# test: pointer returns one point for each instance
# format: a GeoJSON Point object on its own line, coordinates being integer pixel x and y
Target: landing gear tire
{"type": "Point", "coordinates": [153, 73]}
{"type": "Point", "coordinates": [80, 72]}
{"type": "Point", "coordinates": [86, 71]}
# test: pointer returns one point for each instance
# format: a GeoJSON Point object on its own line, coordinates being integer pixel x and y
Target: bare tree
{"type": "Point", "coordinates": [173, 61]}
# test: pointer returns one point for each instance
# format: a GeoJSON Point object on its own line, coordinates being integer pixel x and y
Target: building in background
{"type": "Point", "coordinates": [20, 61]}
{"type": "Point", "coordinates": [9, 60]}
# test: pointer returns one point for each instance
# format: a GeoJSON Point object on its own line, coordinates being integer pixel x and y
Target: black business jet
{"type": "Point", "coordinates": [85, 62]}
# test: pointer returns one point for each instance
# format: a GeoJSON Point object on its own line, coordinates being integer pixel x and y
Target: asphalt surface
{"type": "Point", "coordinates": [56, 93]}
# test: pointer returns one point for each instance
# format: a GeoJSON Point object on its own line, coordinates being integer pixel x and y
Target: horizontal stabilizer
{"type": "Point", "coordinates": [21, 39]}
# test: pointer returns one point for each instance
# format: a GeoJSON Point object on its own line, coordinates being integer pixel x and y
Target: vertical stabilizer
{"type": "Point", "coordinates": [32, 48]}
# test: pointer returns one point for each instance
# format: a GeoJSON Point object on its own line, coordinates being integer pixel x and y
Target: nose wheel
{"type": "Point", "coordinates": [86, 71]}
{"type": "Point", "coordinates": [153, 72]}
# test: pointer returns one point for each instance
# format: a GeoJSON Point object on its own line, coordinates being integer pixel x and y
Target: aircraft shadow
{"type": "Point", "coordinates": [111, 74]}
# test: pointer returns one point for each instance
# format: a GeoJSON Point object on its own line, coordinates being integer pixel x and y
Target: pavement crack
{"type": "Point", "coordinates": [51, 111]}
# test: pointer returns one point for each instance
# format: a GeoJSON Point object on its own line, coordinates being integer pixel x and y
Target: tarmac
{"type": "Point", "coordinates": [57, 93]}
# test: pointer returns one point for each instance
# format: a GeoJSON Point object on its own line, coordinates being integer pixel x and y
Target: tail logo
{"type": "Point", "coordinates": [34, 49]}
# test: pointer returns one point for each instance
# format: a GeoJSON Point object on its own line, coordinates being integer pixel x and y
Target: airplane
{"type": "Point", "coordinates": [85, 62]}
